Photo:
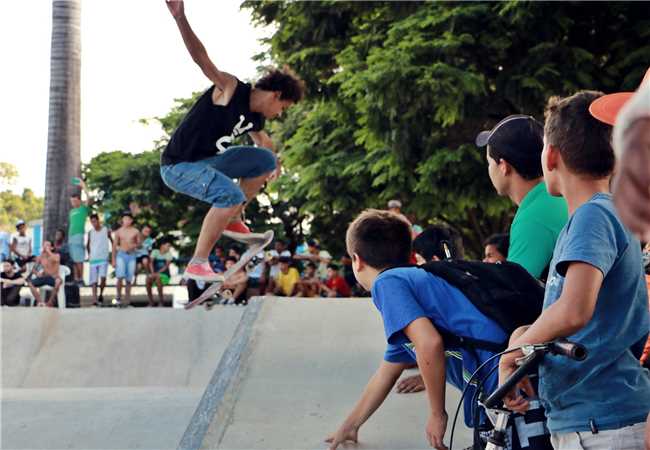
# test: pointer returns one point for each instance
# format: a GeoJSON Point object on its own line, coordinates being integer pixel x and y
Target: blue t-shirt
{"type": "Point", "coordinates": [403, 295]}
{"type": "Point", "coordinates": [610, 387]}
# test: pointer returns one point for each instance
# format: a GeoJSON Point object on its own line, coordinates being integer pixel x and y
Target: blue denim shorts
{"type": "Point", "coordinates": [211, 180]}
{"type": "Point", "coordinates": [125, 266]}
{"type": "Point", "coordinates": [76, 248]}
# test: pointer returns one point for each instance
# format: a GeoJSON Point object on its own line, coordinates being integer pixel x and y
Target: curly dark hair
{"type": "Point", "coordinates": [284, 81]}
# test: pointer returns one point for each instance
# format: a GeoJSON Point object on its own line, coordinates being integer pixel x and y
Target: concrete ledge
{"type": "Point", "coordinates": [214, 409]}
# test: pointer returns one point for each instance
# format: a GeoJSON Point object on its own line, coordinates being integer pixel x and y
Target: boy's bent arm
{"type": "Point", "coordinates": [430, 351]}
{"type": "Point", "coordinates": [374, 394]}
{"type": "Point", "coordinates": [221, 80]}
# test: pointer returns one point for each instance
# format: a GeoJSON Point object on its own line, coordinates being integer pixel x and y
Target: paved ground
{"type": "Point", "coordinates": [106, 378]}
{"type": "Point", "coordinates": [118, 379]}
{"type": "Point", "coordinates": [309, 363]}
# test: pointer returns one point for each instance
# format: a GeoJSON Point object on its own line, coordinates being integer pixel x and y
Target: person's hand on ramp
{"type": "Point", "coordinates": [344, 434]}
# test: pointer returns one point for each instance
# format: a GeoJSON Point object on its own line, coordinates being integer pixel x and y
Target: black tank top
{"type": "Point", "coordinates": [209, 129]}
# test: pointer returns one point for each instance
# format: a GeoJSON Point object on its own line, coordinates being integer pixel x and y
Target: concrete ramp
{"type": "Point", "coordinates": [107, 378]}
{"type": "Point", "coordinates": [303, 365]}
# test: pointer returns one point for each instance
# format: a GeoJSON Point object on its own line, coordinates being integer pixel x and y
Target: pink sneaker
{"type": "Point", "coordinates": [238, 231]}
{"type": "Point", "coordinates": [202, 272]}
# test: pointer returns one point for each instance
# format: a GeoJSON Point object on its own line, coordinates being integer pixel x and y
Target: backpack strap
{"type": "Point", "coordinates": [454, 340]}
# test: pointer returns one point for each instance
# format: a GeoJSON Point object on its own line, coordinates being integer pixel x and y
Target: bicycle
{"type": "Point", "coordinates": [493, 404]}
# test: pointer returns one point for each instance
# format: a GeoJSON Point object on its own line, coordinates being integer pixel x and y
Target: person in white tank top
{"type": "Point", "coordinates": [21, 246]}
{"type": "Point", "coordinates": [98, 251]}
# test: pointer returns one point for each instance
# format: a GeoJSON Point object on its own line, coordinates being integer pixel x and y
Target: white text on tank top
{"type": "Point", "coordinates": [238, 130]}
{"type": "Point", "coordinates": [98, 245]}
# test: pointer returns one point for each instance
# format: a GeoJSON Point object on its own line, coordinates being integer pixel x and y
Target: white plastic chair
{"type": "Point", "coordinates": [64, 271]}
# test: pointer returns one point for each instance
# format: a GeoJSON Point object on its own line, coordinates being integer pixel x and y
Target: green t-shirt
{"type": "Point", "coordinates": [77, 220]}
{"type": "Point", "coordinates": [535, 228]}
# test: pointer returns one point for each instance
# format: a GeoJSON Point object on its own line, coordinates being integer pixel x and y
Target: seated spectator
{"type": "Point", "coordinates": [318, 256]}
{"type": "Point", "coordinates": [159, 262]}
{"type": "Point", "coordinates": [496, 248]}
{"type": "Point", "coordinates": [236, 283]}
{"type": "Point", "coordinates": [21, 246]}
{"type": "Point", "coordinates": [47, 274]}
{"type": "Point", "coordinates": [437, 243]}
{"type": "Point", "coordinates": [143, 252]}
{"type": "Point", "coordinates": [217, 260]}
{"type": "Point", "coordinates": [273, 270]}
{"type": "Point", "coordinates": [287, 278]}
{"type": "Point", "coordinates": [234, 252]}
{"type": "Point", "coordinates": [280, 246]}
{"type": "Point", "coordinates": [11, 282]}
{"type": "Point", "coordinates": [61, 247]}
{"type": "Point", "coordinates": [335, 285]}
{"type": "Point", "coordinates": [309, 284]}
{"type": "Point", "coordinates": [348, 275]}
{"type": "Point", "coordinates": [257, 277]}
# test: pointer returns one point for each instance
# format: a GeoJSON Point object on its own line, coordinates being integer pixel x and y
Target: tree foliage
{"type": "Point", "coordinates": [399, 90]}
{"type": "Point", "coordinates": [13, 207]}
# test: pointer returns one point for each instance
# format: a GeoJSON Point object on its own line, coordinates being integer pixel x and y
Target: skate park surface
{"type": "Point", "coordinates": [277, 374]}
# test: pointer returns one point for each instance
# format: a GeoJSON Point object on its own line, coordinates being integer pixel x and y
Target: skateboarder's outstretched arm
{"type": "Point", "coordinates": [222, 80]}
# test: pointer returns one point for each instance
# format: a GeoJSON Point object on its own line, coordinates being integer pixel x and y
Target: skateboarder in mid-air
{"type": "Point", "coordinates": [198, 160]}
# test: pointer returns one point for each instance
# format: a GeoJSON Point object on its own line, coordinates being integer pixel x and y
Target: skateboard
{"type": "Point", "coordinates": [244, 262]}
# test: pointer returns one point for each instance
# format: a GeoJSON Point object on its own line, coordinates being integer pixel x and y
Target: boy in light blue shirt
{"type": "Point", "coordinates": [595, 295]}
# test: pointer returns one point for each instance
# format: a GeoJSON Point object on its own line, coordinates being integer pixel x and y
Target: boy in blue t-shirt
{"type": "Point", "coordinates": [416, 308]}
{"type": "Point", "coordinates": [595, 295]}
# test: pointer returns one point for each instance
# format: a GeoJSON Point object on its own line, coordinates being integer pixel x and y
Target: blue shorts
{"type": "Point", "coordinates": [125, 266]}
{"type": "Point", "coordinates": [76, 248]}
{"type": "Point", "coordinates": [211, 179]}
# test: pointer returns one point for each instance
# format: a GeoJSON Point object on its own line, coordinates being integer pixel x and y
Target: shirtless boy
{"type": "Point", "coordinates": [47, 274]}
{"type": "Point", "coordinates": [126, 242]}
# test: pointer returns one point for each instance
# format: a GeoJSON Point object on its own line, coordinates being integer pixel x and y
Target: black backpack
{"type": "Point", "coordinates": [505, 292]}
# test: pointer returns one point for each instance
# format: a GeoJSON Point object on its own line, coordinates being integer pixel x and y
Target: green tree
{"type": "Point", "coordinates": [399, 90]}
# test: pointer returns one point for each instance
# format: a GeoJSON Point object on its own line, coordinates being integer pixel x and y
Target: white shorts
{"type": "Point", "coordinates": [97, 271]}
{"type": "Point", "coordinates": [626, 438]}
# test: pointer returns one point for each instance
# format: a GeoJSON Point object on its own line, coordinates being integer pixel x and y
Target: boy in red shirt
{"type": "Point", "coordinates": [335, 285]}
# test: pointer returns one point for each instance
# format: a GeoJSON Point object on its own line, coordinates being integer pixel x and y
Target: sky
{"type": "Point", "coordinates": [133, 65]}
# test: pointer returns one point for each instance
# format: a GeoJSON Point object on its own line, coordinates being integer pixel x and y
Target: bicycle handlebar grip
{"type": "Point", "coordinates": [569, 349]}
{"type": "Point", "coordinates": [496, 398]}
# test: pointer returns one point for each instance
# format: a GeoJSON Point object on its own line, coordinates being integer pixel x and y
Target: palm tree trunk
{"type": "Point", "coordinates": [63, 138]}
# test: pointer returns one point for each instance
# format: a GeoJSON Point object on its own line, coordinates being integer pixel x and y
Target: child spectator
{"type": "Point", "coordinates": [437, 243]}
{"type": "Point", "coordinates": [217, 260]}
{"type": "Point", "coordinates": [236, 283]}
{"type": "Point", "coordinates": [309, 284]}
{"type": "Point", "coordinates": [514, 147]}
{"type": "Point", "coordinates": [61, 247]}
{"type": "Point", "coordinates": [287, 278]}
{"type": "Point", "coordinates": [21, 246]}
{"type": "Point", "coordinates": [47, 274]}
{"type": "Point", "coordinates": [256, 277]}
{"type": "Point", "coordinates": [317, 256]}
{"type": "Point", "coordinates": [10, 283]}
{"type": "Point", "coordinates": [496, 248]}
{"type": "Point", "coordinates": [335, 285]}
{"type": "Point", "coordinates": [127, 240]}
{"type": "Point", "coordinates": [98, 245]}
{"type": "Point", "coordinates": [280, 246]}
{"type": "Point", "coordinates": [414, 305]}
{"type": "Point", "coordinates": [143, 252]}
{"type": "Point", "coordinates": [159, 270]}
{"type": "Point", "coordinates": [595, 295]}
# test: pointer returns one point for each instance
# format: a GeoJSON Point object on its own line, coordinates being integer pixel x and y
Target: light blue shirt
{"type": "Point", "coordinates": [5, 239]}
{"type": "Point", "coordinates": [610, 388]}
{"type": "Point", "coordinates": [405, 294]}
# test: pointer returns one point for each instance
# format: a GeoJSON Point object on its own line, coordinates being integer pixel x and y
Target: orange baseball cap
{"type": "Point", "coordinates": [606, 108]}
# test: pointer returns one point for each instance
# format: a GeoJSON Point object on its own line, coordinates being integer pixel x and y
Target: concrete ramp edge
{"type": "Point", "coordinates": [217, 402]}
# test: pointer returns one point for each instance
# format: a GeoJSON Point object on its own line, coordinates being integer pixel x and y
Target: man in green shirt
{"type": "Point", "coordinates": [76, 229]}
{"type": "Point", "coordinates": [514, 148]}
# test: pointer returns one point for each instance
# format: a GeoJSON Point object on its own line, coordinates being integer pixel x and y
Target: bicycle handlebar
{"type": "Point", "coordinates": [559, 347]}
